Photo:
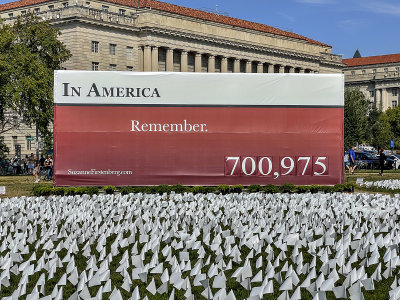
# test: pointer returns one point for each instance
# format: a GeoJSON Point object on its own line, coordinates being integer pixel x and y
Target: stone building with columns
{"type": "Point", "coordinates": [149, 35]}
{"type": "Point", "coordinates": [377, 76]}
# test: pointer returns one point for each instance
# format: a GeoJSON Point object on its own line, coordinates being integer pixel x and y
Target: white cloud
{"type": "Point", "coordinates": [381, 7]}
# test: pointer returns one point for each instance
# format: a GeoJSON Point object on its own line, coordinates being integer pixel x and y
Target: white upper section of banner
{"type": "Point", "coordinates": [197, 89]}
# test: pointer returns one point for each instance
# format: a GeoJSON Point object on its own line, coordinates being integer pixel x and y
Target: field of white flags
{"type": "Point", "coordinates": [390, 184]}
{"type": "Point", "coordinates": [204, 246]}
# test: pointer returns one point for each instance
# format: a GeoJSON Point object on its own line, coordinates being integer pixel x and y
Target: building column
{"type": "Point", "coordinates": [211, 64]}
{"type": "Point", "coordinates": [197, 62]}
{"type": "Point", "coordinates": [301, 70]}
{"type": "Point", "coordinates": [184, 61]}
{"type": "Point", "coordinates": [154, 59]}
{"type": "Point", "coordinates": [140, 59]}
{"type": "Point", "coordinates": [385, 104]}
{"type": "Point", "coordinates": [147, 59]}
{"type": "Point", "coordinates": [291, 69]}
{"type": "Point", "coordinates": [281, 69]}
{"type": "Point", "coordinates": [378, 98]}
{"type": "Point", "coordinates": [224, 65]}
{"type": "Point", "coordinates": [236, 65]}
{"type": "Point", "coordinates": [260, 67]}
{"type": "Point", "coordinates": [270, 68]}
{"type": "Point", "coordinates": [169, 60]}
{"type": "Point", "coordinates": [248, 66]}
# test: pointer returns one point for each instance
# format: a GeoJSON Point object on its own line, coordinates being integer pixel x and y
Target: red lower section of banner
{"type": "Point", "coordinates": [197, 146]}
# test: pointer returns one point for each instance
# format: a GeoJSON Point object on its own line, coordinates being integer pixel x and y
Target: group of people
{"type": "Point", "coordinates": [352, 160]}
{"type": "Point", "coordinates": [27, 166]}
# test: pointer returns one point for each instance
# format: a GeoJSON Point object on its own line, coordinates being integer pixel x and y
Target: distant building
{"type": "Point", "coordinates": [148, 35]}
{"type": "Point", "coordinates": [377, 76]}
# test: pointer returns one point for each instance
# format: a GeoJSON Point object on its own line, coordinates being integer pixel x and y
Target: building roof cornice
{"type": "Point", "coordinates": [372, 60]}
{"type": "Point", "coordinates": [185, 11]}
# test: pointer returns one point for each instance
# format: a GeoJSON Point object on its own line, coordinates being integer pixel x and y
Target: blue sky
{"type": "Point", "coordinates": [372, 26]}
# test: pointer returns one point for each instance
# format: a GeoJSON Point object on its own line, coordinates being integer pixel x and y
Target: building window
{"type": "Point", "coordinates": [10, 15]}
{"type": "Point", "coordinates": [129, 68]}
{"type": "Point", "coordinates": [122, 12]}
{"type": "Point", "coordinates": [112, 49]}
{"type": "Point", "coordinates": [363, 72]}
{"type": "Point", "coordinates": [386, 70]}
{"type": "Point", "coordinates": [374, 71]}
{"type": "Point", "coordinates": [104, 8]}
{"type": "Point", "coordinates": [394, 103]}
{"type": "Point", "coordinates": [65, 4]}
{"type": "Point", "coordinates": [95, 66]}
{"type": "Point", "coordinates": [29, 140]}
{"type": "Point", "coordinates": [23, 12]}
{"type": "Point", "coordinates": [15, 140]}
{"type": "Point", "coordinates": [51, 7]}
{"type": "Point", "coordinates": [394, 91]}
{"type": "Point", "coordinates": [353, 73]}
{"type": "Point", "coordinates": [95, 46]}
{"type": "Point", "coordinates": [113, 67]}
{"type": "Point", "coordinates": [397, 70]}
{"type": "Point", "coordinates": [129, 51]}
{"type": "Point", "coordinates": [371, 93]}
{"type": "Point", "coordinates": [36, 10]}
{"type": "Point", "coordinates": [87, 4]}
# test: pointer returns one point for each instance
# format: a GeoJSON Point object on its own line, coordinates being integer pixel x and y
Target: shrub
{"type": "Point", "coordinates": [223, 189]}
{"type": "Point", "coordinates": [69, 191]}
{"type": "Point", "coordinates": [92, 190]}
{"type": "Point", "coordinates": [179, 188]}
{"type": "Point", "coordinates": [254, 188]}
{"type": "Point", "coordinates": [59, 191]}
{"type": "Point", "coordinates": [125, 190]}
{"type": "Point", "coordinates": [236, 188]}
{"type": "Point", "coordinates": [109, 189]}
{"type": "Point", "coordinates": [198, 190]}
{"type": "Point", "coordinates": [271, 189]}
{"type": "Point", "coordinates": [326, 188]}
{"type": "Point", "coordinates": [302, 189]}
{"type": "Point", "coordinates": [287, 188]}
{"type": "Point", "coordinates": [349, 187]}
{"type": "Point", "coordinates": [163, 188]}
{"type": "Point", "coordinates": [36, 190]}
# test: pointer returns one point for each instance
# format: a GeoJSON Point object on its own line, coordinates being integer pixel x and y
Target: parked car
{"type": "Point", "coordinates": [365, 160]}
{"type": "Point", "coordinates": [394, 161]}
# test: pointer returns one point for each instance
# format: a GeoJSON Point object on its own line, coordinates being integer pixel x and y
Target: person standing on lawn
{"type": "Point", "coordinates": [382, 158]}
{"type": "Point", "coordinates": [352, 160]}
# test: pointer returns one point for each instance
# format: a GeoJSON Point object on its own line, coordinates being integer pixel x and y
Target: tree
{"type": "Point", "coordinates": [29, 53]}
{"type": "Point", "coordinates": [373, 117]}
{"type": "Point", "coordinates": [382, 132]}
{"type": "Point", "coordinates": [356, 109]}
{"type": "Point", "coordinates": [394, 120]}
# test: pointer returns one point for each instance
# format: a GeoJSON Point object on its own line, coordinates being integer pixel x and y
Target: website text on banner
{"type": "Point", "coordinates": [124, 128]}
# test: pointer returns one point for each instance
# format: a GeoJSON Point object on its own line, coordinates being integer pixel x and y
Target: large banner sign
{"type": "Point", "coordinates": [125, 128]}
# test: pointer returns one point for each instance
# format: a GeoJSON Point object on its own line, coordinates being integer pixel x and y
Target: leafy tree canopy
{"type": "Point", "coordinates": [29, 53]}
{"type": "Point", "coordinates": [356, 110]}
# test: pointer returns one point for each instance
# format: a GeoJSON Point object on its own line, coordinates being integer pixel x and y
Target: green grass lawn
{"type": "Point", "coordinates": [19, 185]}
